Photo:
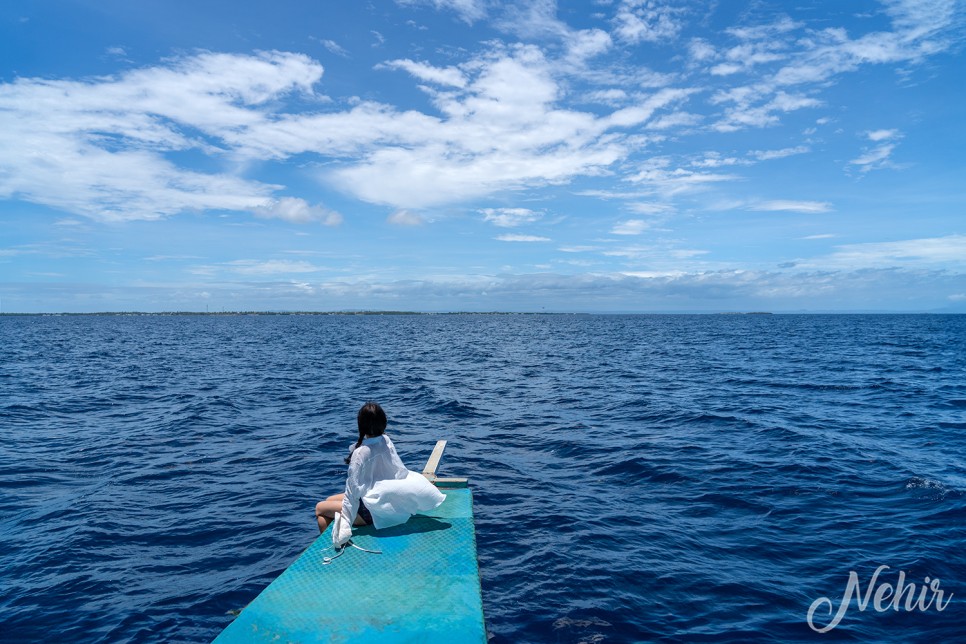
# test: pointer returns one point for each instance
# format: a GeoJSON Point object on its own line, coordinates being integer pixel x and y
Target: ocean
{"type": "Point", "coordinates": [678, 478]}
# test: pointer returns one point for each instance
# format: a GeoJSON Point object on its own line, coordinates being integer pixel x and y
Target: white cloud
{"type": "Point", "coordinates": [297, 211]}
{"type": "Point", "coordinates": [169, 258]}
{"type": "Point", "coordinates": [768, 155]}
{"type": "Point", "coordinates": [335, 48]}
{"type": "Point", "coordinates": [918, 19]}
{"type": "Point", "coordinates": [537, 20]}
{"type": "Point", "coordinates": [947, 251]}
{"type": "Point", "coordinates": [270, 267]}
{"type": "Point", "coordinates": [612, 96]}
{"type": "Point", "coordinates": [919, 27]}
{"type": "Point", "coordinates": [882, 135]}
{"type": "Point", "coordinates": [406, 218]}
{"type": "Point", "coordinates": [645, 208]}
{"type": "Point", "coordinates": [669, 183]}
{"type": "Point", "coordinates": [784, 205]}
{"type": "Point", "coordinates": [433, 175]}
{"type": "Point", "coordinates": [675, 120]}
{"type": "Point", "coordinates": [874, 159]}
{"type": "Point", "coordinates": [578, 249]}
{"type": "Point", "coordinates": [97, 147]}
{"type": "Point", "coordinates": [745, 113]}
{"type": "Point", "coordinates": [104, 141]}
{"type": "Point", "coordinates": [450, 76]}
{"type": "Point", "coordinates": [759, 45]}
{"type": "Point", "coordinates": [502, 133]}
{"type": "Point", "coordinates": [643, 111]}
{"type": "Point", "coordinates": [715, 160]}
{"type": "Point", "coordinates": [877, 157]}
{"type": "Point", "coordinates": [522, 238]}
{"type": "Point", "coordinates": [647, 21]}
{"type": "Point", "coordinates": [767, 32]}
{"type": "Point", "coordinates": [469, 10]}
{"type": "Point", "coordinates": [587, 43]}
{"type": "Point", "coordinates": [657, 257]}
{"type": "Point", "coordinates": [510, 217]}
{"type": "Point", "coordinates": [726, 69]}
{"type": "Point", "coordinates": [820, 236]}
{"type": "Point", "coordinates": [533, 20]}
{"type": "Point", "coordinates": [687, 253]}
{"type": "Point", "coordinates": [701, 50]}
{"type": "Point", "coordinates": [810, 59]}
{"type": "Point", "coordinates": [631, 227]}
{"type": "Point", "coordinates": [652, 275]}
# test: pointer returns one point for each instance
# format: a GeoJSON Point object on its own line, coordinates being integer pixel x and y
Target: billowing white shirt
{"type": "Point", "coordinates": [390, 491]}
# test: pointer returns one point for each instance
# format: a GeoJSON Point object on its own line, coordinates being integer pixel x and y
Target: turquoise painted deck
{"type": "Point", "coordinates": [425, 586]}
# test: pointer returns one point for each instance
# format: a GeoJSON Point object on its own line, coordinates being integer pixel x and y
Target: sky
{"type": "Point", "coordinates": [472, 155]}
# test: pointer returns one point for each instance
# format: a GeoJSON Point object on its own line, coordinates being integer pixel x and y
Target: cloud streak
{"type": "Point", "coordinates": [784, 205]}
{"type": "Point", "coordinates": [633, 291]}
{"type": "Point", "coordinates": [948, 251]}
{"type": "Point", "coordinates": [522, 238]}
{"type": "Point", "coordinates": [510, 217]}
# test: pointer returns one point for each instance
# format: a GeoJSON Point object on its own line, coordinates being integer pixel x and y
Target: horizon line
{"type": "Point", "coordinates": [491, 312]}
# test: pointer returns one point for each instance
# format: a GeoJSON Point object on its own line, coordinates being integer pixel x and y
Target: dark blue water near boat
{"type": "Point", "coordinates": [636, 478]}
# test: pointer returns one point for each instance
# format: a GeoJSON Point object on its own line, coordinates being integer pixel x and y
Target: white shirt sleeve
{"type": "Point", "coordinates": [342, 530]}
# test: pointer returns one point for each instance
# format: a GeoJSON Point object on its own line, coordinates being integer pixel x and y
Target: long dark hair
{"type": "Point", "coordinates": [371, 421]}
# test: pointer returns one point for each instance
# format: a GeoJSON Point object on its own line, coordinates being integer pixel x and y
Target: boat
{"type": "Point", "coordinates": [414, 582]}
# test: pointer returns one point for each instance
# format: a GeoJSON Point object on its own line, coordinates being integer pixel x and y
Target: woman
{"type": "Point", "coordinates": [379, 490]}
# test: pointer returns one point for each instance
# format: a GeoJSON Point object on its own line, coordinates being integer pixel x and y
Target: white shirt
{"type": "Point", "coordinates": [390, 491]}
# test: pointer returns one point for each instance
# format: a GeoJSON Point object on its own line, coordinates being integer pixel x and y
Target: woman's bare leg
{"type": "Point", "coordinates": [325, 512]}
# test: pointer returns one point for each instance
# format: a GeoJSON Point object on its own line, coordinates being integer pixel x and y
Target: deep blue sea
{"type": "Point", "coordinates": [643, 478]}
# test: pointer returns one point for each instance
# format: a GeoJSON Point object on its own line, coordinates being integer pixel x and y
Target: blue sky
{"type": "Point", "coordinates": [440, 155]}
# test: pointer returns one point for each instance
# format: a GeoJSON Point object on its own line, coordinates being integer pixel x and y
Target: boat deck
{"type": "Point", "coordinates": [425, 586]}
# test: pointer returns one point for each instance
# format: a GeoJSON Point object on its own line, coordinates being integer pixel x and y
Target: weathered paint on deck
{"type": "Point", "coordinates": [425, 586]}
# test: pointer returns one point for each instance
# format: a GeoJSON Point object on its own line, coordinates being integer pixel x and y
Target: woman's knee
{"type": "Point", "coordinates": [329, 507]}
